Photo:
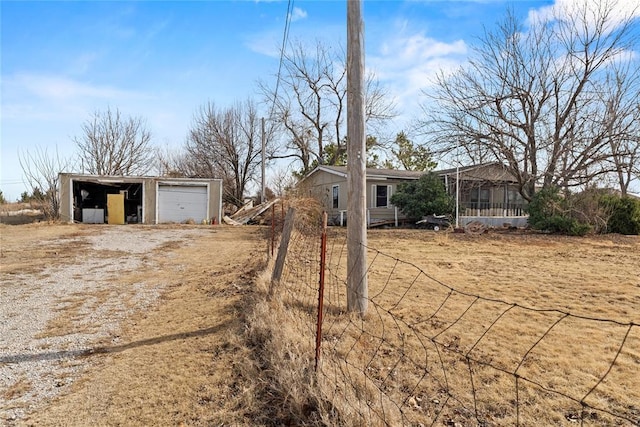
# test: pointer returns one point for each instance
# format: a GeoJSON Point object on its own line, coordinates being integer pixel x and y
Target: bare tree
{"type": "Point", "coordinates": [41, 171]}
{"type": "Point", "coordinates": [309, 103]}
{"type": "Point", "coordinates": [176, 163]}
{"type": "Point", "coordinates": [623, 123]}
{"type": "Point", "coordinates": [541, 99]}
{"type": "Point", "coordinates": [226, 143]}
{"type": "Point", "coordinates": [115, 145]}
{"type": "Point", "coordinates": [282, 182]}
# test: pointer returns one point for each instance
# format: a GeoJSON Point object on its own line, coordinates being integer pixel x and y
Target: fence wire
{"type": "Point", "coordinates": [428, 353]}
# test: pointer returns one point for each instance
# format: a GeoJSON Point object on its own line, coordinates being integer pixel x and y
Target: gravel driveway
{"type": "Point", "coordinates": [50, 319]}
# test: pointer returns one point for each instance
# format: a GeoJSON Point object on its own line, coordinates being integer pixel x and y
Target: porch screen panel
{"type": "Point", "coordinates": [479, 198]}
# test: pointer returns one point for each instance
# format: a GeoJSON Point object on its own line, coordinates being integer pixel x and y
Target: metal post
{"type": "Point", "coordinates": [357, 289]}
{"type": "Point", "coordinates": [395, 215]}
{"type": "Point", "coordinates": [458, 185]}
{"type": "Point", "coordinates": [263, 198]}
{"type": "Point", "coordinates": [458, 195]}
{"type": "Point", "coordinates": [323, 260]}
{"type": "Point", "coordinates": [273, 227]}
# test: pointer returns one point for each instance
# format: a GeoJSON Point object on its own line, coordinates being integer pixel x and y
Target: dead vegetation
{"type": "Point", "coordinates": [19, 388]}
{"type": "Point", "coordinates": [495, 329]}
{"type": "Point", "coordinates": [22, 213]}
{"type": "Point", "coordinates": [176, 362]}
{"type": "Point", "coordinates": [282, 360]}
{"type": "Point", "coordinates": [218, 351]}
{"type": "Point", "coordinates": [31, 248]}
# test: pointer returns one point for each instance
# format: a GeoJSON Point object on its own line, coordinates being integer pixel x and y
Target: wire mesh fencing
{"type": "Point", "coordinates": [428, 353]}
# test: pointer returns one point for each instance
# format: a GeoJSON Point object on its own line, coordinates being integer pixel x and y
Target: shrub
{"type": "Point", "coordinates": [625, 214]}
{"type": "Point", "coordinates": [424, 196]}
{"type": "Point", "coordinates": [544, 207]}
{"type": "Point", "coordinates": [592, 210]}
{"type": "Point", "coordinates": [550, 211]}
{"type": "Point", "coordinates": [587, 208]}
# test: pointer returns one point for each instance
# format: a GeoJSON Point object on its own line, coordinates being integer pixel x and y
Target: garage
{"type": "Point", "coordinates": [93, 201]}
{"type": "Point", "coordinates": [182, 203]}
{"type": "Point", "coordinates": [116, 200]}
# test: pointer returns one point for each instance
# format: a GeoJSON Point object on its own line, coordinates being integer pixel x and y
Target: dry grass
{"type": "Point", "coordinates": [182, 362]}
{"type": "Point", "coordinates": [286, 392]}
{"type": "Point", "coordinates": [28, 249]}
{"type": "Point", "coordinates": [428, 352]}
{"type": "Point", "coordinates": [20, 387]}
{"type": "Point", "coordinates": [74, 310]}
{"type": "Point", "coordinates": [21, 213]}
{"type": "Point", "coordinates": [216, 351]}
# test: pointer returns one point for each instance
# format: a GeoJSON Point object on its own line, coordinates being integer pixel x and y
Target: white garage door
{"type": "Point", "coordinates": [179, 203]}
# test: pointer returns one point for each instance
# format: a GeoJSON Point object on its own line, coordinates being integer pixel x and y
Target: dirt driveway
{"type": "Point", "coordinates": [122, 325]}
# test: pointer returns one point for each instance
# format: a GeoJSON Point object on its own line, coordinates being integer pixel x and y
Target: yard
{"type": "Point", "coordinates": [147, 325]}
{"type": "Point", "coordinates": [122, 325]}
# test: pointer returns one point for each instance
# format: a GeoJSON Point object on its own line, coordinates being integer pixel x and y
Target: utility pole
{"type": "Point", "coordinates": [357, 288]}
{"type": "Point", "coordinates": [458, 184]}
{"type": "Point", "coordinates": [263, 198]}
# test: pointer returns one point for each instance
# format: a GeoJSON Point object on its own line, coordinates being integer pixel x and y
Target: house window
{"type": "Point", "coordinates": [381, 196]}
{"type": "Point", "coordinates": [480, 198]}
{"type": "Point", "coordinates": [335, 193]}
{"type": "Point", "coordinates": [515, 196]}
{"type": "Point", "coordinates": [484, 197]}
{"type": "Point", "coordinates": [515, 202]}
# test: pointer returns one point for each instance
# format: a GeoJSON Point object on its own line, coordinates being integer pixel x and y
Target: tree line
{"type": "Point", "coordinates": [555, 99]}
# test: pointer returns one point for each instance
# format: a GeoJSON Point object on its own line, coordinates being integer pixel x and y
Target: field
{"type": "Point", "coordinates": [182, 332]}
{"type": "Point", "coordinates": [498, 329]}
{"type": "Point", "coordinates": [20, 213]}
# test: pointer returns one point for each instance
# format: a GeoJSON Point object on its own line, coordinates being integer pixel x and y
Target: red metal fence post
{"type": "Point", "coordinates": [323, 259]}
{"type": "Point", "coordinates": [273, 227]}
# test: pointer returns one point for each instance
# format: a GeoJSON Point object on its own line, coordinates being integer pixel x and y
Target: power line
{"type": "Point", "coordinates": [285, 36]}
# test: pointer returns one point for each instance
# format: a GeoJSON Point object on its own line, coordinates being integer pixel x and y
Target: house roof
{"type": "Point", "coordinates": [452, 171]}
{"type": "Point", "coordinates": [372, 173]}
{"type": "Point", "coordinates": [487, 171]}
{"type": "Point", "coordinates": [494, 171]}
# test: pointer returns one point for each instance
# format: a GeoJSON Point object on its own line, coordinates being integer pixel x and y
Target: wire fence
{"type": "Point", "coordinates": [427, 353]}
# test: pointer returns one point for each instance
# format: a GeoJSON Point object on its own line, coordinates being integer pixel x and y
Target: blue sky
{"type": "Point", "coordinates": [161, 60]}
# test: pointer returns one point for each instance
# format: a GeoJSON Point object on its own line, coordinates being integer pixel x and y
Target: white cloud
{"type": "Point", "coordinates": [268, 42]}
{"type": "Point", "coordinates": [417, 48]}
{"type": "Point", "coordinates": [34, 98]}
{"type": "Point", "coordinates": [298, 14]}
{"type": "Point", "coordinates": [83, 63]}
{"type": "Point", "coordinates": [57, 88]}
{"type": "Point", "coordinates": [265, 43]}
{"type": "Point", "coordinates": [620, 11]}
{"type": "Point", "coordinates": [407, 64]}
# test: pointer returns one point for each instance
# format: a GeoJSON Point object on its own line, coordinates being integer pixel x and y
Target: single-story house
{"type": "Point", "coordinates": [488, 193]}
{"type": "Point", "coordinates": [134, 199]}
